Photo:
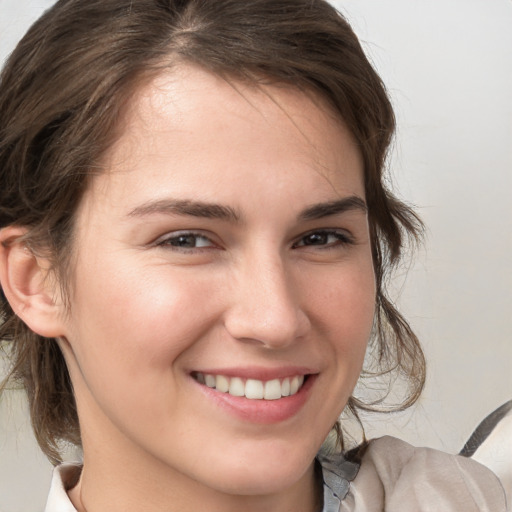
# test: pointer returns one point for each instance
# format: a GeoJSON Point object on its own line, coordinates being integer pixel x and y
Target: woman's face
{"type": "Point", "coordinates": [225, 245]}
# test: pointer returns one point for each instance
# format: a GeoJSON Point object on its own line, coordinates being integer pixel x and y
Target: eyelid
{"type": "Point", "coordinates": [344, 238]}
{"type": "Point", "coordinates": [163, 240]}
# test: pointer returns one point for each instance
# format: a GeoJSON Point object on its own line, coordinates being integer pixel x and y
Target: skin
{"type": "Point", "coordinates": [268, 290]}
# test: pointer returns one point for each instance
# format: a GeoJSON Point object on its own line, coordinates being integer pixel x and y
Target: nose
{"type": "Point", "coordinates": [266, 305]}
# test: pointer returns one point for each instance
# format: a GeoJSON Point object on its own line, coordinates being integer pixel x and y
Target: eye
{"type": "Point", "coordinates": [324, 239]}
{"type": "Point", "coordinates": [186, 240]}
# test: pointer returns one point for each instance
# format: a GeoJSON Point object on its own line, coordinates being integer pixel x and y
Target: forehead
{"type": "Point", "coordinates": [190, 127]}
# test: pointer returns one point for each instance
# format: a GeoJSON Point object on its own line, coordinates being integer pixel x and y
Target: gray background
{"type": "Point", "coordinates": [448, 65]}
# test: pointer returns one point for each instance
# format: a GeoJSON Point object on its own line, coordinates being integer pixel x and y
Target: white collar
{"type": "Point", "coordinates": [58, 499]}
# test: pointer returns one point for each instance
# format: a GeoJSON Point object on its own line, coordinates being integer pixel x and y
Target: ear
{"type": "Point", "coordinates": [28, 284]}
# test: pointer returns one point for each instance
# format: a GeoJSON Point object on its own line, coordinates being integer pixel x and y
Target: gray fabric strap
{"type": "Point", "coordinates": [485, 428]}
{"type": "Point", "coordinates": [337, 474]}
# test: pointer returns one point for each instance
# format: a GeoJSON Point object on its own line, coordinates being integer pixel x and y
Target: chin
{"type": "Point", "coordinates": [262, 473]}
{"type": "Point", "coordinates": [247, 482]}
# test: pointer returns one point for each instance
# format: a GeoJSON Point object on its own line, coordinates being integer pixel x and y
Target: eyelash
{"type": "Point", "coordinates": [342, 239]}
{"type": "Point", "coordinates": [168, 241]}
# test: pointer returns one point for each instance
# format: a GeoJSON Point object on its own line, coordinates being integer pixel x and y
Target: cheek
{"type": "Point", "coordinates": [128, 333]}
{"type": "Point", "coordinates": [344, 299]}
{"type": "Point", "coordinates": [134, 325]}
{"type": "Point", "coordinates": [344, 308]}
{"type": "Point", "coordinates": [342, 303]}
{"type": "Point", "coordinates": [358, 314]}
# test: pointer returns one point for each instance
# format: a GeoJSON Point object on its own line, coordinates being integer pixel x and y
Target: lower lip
{"type": "Point", "coordinates": [263, 412]}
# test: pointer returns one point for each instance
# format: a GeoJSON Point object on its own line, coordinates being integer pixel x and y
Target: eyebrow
{"type": "Point", "coordinates": [319, 211]}
{"type": "Point", "coordinates": [217, 211]}
{"type": "Point", "coordinates": [186, 207]}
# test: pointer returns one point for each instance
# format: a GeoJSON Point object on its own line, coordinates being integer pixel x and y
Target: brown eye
{"type": "Point", "coordinates": [316, 239]}
{"type": "Point", "coordinates": [187, 241]}
{"type": "Point", "coordinates": [324, 239]}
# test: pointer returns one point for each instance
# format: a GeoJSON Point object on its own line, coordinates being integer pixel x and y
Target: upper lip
{"type": "Point", "coordinates": [258, 373]}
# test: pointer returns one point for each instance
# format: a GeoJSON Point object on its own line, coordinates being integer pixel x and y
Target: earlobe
{"type": "Point", "coordinates": [28, 285]}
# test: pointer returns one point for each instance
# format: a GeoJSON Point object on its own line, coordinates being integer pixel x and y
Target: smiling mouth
{"type": "Point", "coordinates": [252, 389]}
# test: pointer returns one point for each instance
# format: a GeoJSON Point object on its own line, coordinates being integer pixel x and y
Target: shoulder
{"type": "Point", "coordinates": [395, 476]}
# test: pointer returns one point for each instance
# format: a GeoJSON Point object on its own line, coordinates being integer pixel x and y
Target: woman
{"type": "Point", "coordinates": [195, 233]}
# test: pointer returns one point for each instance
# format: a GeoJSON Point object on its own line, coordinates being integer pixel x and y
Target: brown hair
{"type": "Point", "coordinates": [62, 94]}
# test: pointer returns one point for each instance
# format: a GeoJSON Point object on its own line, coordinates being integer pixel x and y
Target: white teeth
{"type": "Point", "coordinates": [209, 380]}
{"type": "Point", "coordinates": [285, 387]}
{"type": "Point", "coordinates": [222, 383]}
{"type": "Point", "coordinates": [295, 384]}
{"type": "Point", "coordinates": [272, 390]}
{"type": "Point", "coordinates": [236, 387]}
{"type": "Point", "coordinates": [252, 388]}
